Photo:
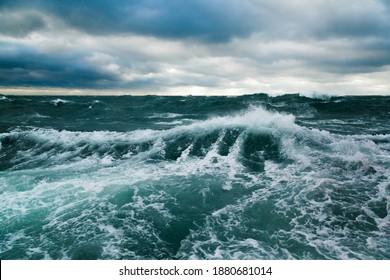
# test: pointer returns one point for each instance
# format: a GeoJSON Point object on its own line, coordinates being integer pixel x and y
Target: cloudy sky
{"type": "Point", "coordinates": [195, 46]}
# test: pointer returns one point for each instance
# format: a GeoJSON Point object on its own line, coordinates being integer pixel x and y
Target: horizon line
{"type": "Point", "coordinates": [47, 91]}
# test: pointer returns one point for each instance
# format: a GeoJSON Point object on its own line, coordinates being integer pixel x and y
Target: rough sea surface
{"type": "Point", "coordinates": [248, 177]}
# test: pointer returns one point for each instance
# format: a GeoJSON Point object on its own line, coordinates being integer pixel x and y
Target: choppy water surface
{"type": "Point", "coordinates": [250, 177]}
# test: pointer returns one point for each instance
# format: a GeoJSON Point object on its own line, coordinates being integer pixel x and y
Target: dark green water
{"type": "Point", "coordinates": [249, 177]}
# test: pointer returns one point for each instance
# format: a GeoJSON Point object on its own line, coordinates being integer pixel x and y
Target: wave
{"type": "Point", "coordinates": [311, 95]}
{"type": "Point", "coordinates": [252, 185]}
{"type": "Point", "coordinates": [59, 102]}
{"type": "Point", "coordinates": [317, 95]}
{"type": "Point", "coordinates": [166, 116]}
{"type": "Point", "coordinates": [76, 103]}
{"type": "Point", "coordinates": [49, 146]}
{"type": "Point", "coordinates": [4, 98]}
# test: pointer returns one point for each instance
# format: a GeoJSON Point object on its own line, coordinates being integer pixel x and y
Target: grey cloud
{"type": "Point", "coordinates": [207, 43]}
{"type": "Point", "coordinates": [22, 66]}
{"type": "Point", "coordinates": [215, 21]}
{"type": "Point", "coordinates": [359, 20]}
{"type": "Point", "coordinates": [349, 65]}
{"type": "Point", "coordinates": [218, 20]}
{"type": "Point", "coordinates": [320, 20]}
{"type": "Point", "coordinates": [19, 24]}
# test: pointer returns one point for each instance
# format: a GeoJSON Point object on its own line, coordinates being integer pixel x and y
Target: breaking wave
{"type": "Point", "coordinates": [252, 184]}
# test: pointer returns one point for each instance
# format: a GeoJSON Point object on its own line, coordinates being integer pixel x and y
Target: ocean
{"type": "Point", "coordinates": [186, 177]}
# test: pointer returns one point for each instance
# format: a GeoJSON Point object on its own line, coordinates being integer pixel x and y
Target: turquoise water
{"type": "Point", "coordinates": [249, 177]}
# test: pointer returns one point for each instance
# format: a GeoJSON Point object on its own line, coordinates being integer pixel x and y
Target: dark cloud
{"type": "Point", "coordinates": [23, 66]}
{"type": "Point", "coordinates": [206, 20]}
{"type": "Point", "coordinates": [19, 24]}
{"type": "Point", "coordinates": [212, 21]}
{"type": "Point", "coordinates": [177, 43]}
{"type": "Point", "coordinates": [344, 57]}
{"type": "Point", "coordinates": [355, 20]}
{"type": "Point", "coordinates": [350, 65]}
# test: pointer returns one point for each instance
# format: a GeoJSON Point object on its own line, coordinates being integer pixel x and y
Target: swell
{"type": "Point", "coordinates": [251, 185]}
{"type": "Point", "coordinates": [40, 147]}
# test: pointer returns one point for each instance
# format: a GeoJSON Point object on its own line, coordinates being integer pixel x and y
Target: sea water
{"type": "Point", "coordinates": [152, 177]}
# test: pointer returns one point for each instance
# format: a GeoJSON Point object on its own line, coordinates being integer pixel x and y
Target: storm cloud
{"type": "Point", "coordinates": [22, 66]}
{"type": "Point", "coordinates": [197, 46]}
{"type": "Point", "coordinates": [206, 20]}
